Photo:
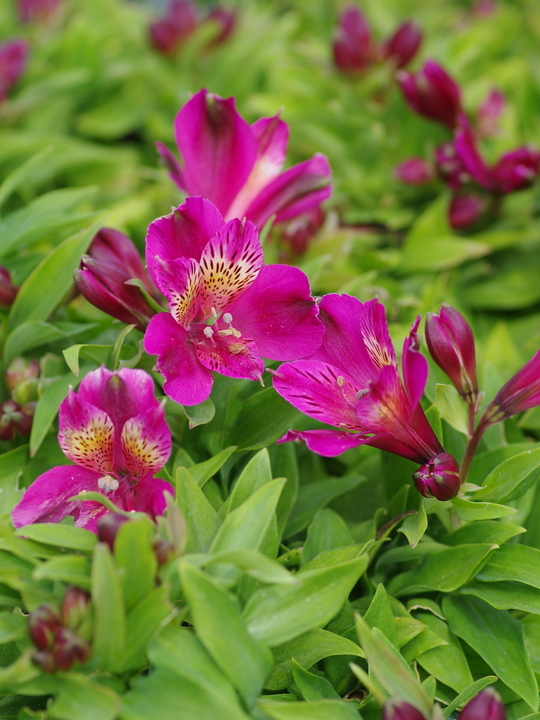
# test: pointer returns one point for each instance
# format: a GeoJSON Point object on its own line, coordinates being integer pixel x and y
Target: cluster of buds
{"type": "Point", "coordinates": [105, 275]}
{"type": "Point", "coordinates": [17, 412]}
{"type": "Point", "coordinates": [109, 525]}
{"type": "Point", "coordinates": [62, 639]}
{"type": "Point", "coordinates": [181, 19]}
{"type": "Point", "coordinates": [13, 57]}
{"type": "Point", "coordinates": [355, 51]}
{"type": "Point", "coordinates": [487, 705]}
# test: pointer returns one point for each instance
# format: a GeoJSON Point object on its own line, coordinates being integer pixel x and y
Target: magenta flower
{"type": "Point", "coordinates": [432, 93]}
{"type": "Point", "coordinates": [487, 705]}
{"type": "Point", "coordinates": [103, 278]}
{"type": "Point", "coordinates": [352, 382]}
{"type": "Point", "coordinates": [225, 20]}
{"type": "Point", "coordinates": [403, 45]}
{"type": "Point", "coordinates": [226, 310]}
{"type": "Point", "coordinates": [520, 393]}
{"type": "Point", "coordinates": [114, 430]}
{"type": "Point", "coordinates": [489, 113]}
{"type": "Point", "coordinates": [352, 47]}
{"type": "Point", "coordinates": [414, 171]}
{"type": "Point", "coordinates": [13, 57]}
{"type": "Point", "coordinates": [397, 709]}
{"type": "Point", "coordinates": [168, 33]}
{"type": "Point", "coordinates": [238, 166]}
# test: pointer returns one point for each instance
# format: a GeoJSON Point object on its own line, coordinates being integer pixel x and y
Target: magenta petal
{"type": "Point", "coordinates": [176, 172]}
{"type": "Point", "coordinates": [279, 314]}
{"type": "Point", "coordinates": [183, 233]}
{"type": "Point", "coordinates": [414, 365]}
{"type": "Point", "coordinates": [180, 281]}
{"type": "Point", "coordinates": [149, 496]}
{"type": "Point", "coordinates": [46, 500]}
{"type": "Point", "coordinates": [467, 151]}
{"type": "Point", "coordinates": [328, 443]}
{"type": "Point", "coordinates": [292, 193]}
{"type": "Point", "coordinates": [186, 380]}
{"type": "Point", "coordinates": [384, 407]}
{"type": "Point", "coordinates": [229, 355]}
{"type": "Point", "coordinates": [146, 442]}
{"type": "Point", "coordinates": [217, 146]}
{"type": "Point", "coordinates": [321, 391]}
{"type": "Point", "coordinates": [86, 434]}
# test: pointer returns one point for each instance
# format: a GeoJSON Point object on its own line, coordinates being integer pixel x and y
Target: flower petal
{"type": "Point", "coordinates": [217, 146]}
{"type": "Point", "coordinates": [46, 500]}
{"type": "Point", "coordinates": [279, 313]}
{"type": "Point", "coordinates": [384, 406]}
{"type": "Point", "coordinates": [327, 443]}
{"type": "Point", "coordinates": [229, 264]}
{"type": "Point", "coordinates": [86, 434]}
{"type": "Point", "coordinates": [146, 442]}
{"type": "Point", "coordinates": [186, 380]}
{"type": "Point", "coordinates": [183, 233]}
{"type": "Point", "coordinates": [176, 172]}
{"type": "Point", "coordinates": [414, 366]}
{"type": "Point", "coordinates": [292, 193]}
{"type": "Point", "coordinates": [236, 357]}
{"type": "Point", "coordinates": [271, 135]}
{"type": "Point", "coordinates": [467, 152]}
{"type": "Point", "coordinates": [180, 281]}
{"type": "Point", "coordinates": [321, 391]}
{"type": "Point", "coordinates": [149, 496]}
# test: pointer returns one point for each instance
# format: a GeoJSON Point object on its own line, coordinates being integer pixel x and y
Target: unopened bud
{"type": "Point", "coordinates": [438, 478]}
{"type": "Point", "coordinates": [108, 526]}
{"type": "Point", "coordinates": [8, 291]}
{"type": "Point", "coordinates": [487, 705]}
{"type": "Point", "coordinates": [21, 376]}
{"type": "Point", "coordinates": [516, 170]}
{"type": "Point", "coordinates": [522, 392]}
{"type": "Point", "coordinates": [432, 93]}
{"type": "Point", "coordinates": [225, 19]}
{"type": "Point", "coordinates": [44, 659]}
{"type": "Point", "coordinates": [43, 624]}
{"type": "Point", "coordinates": [168, 33]}
{"type": "Point", "coordinates": [396, 709]}
{"type": "Point", "coordinates": [74, 607]}
{"type": "Point", "coordinates": [352, 48]}
{"type": "Point", "coordinates": [466, 210]}
{"type": "Point", "coordinates": [13, 57]}
{"type": "Point", "coordinates": [403, 45]}
{"type": "Point", "coordinates": [414, 171]}
{"type": "Point", "coordinates": [15, 419]}
{"type": "Point", "coordinates": [69, 649]}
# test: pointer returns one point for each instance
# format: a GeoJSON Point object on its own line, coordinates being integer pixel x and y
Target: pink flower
{"type": "Point", "coordinates": [490, 112]}
{"type": "Point", "coordinates": [414, 171]}
{"type": "Point", "coordinates": [13, 57]}
{"type": "Point", "coordinates": [487, 705]}
{"type": "Point", "coordinates": [226, 310]}
{"type": "Point", "coordinates": [520, 393]}
{"type": "Point", "coordinates": [352, 47]}
{"type": "Point", "coordinates": [352, 382]}
{"type": "Point", "coordinates": [180, 21]}
{"type": "Point", "coordinates": [466, 209]}
{"type": "Point", "coordinates": [403, 45]}
{"type": "Point", "coordinates": [432, 93]}
{"type": "Point", "coordinates": [114, 430]}
{"type": "Point", "coordinates": [225, 19]}
{"type": "Point", "coordinates": [238, 166]}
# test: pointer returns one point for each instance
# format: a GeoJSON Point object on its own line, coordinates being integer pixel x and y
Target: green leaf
{"type": "Point", "coordinates": [47, 409]}
{"type": "Point", "coordinates": [512, 477]}
{"type": "Point", "coordinates": [95, 353]}
{"type": "Point", "coordinates": [468, 694]}
{"type": "Point", "coordinates": [219, 625]}
{"type": "Point", "coordinates": [314, 496]}
{"type": "Point", "coordinates": [201, 519]}
{"type": "Point", "coordinates": [264, 418]}
{"type": "Point", "coordinates": [451, 407]}
{"type": "Point", "coordinates": [63, 536]}
{"type": "Point", "coordinates": [475, 510]}
{"type": "Point", "coordinates": [253, 563]}
{"type": "Point", "coordinates": [483, 531]}
{"type": "Point", "coordinates": [136, 560]}
{"type": "Point", "coordinates": [48, 283]}
{"type": "Point", "coordinates": [200, 414]}
{"type": "Point", "coordinates": [109, 617]}
{"type": "Point", "coordinates": [202, 472]}
{"type": "Point", "coordinates": [21, 174]}
{"type": "Point", "coordinates": [144, 621]}
{"type": "Point", "coordinates": [414, 526]}
{"type": "Point", "coordinates": [474, 621]}
{"type": "Point", "coordinates": [71, 569]}
{"type": "Point", "coordinates": [83, 699]}
{"type": "Point", "coordinates": [327, 531]}
{"type": "Point", "coordinates": [506, 595]}
{"type": "Point", "coordinates": [314, 710]}
{"type": "Point", "coordinates": [379, 614]}
{"type": "Point", "coordinates": [35, 333]}
{"type": "Point", "coordinates": [444, 571]}
{"type": "Point", "coordinates": [275, 615]}
{"type": "Point", "coordinates": [390, 669]}
{"type": "Point", "coordinates": [312, 687]}
{"type": "Point", "coordinates": [256, 473]}
{"type": "Point", "coordinates": [513, 562]}
{"type": "Point", "coordinates": [12, 465]}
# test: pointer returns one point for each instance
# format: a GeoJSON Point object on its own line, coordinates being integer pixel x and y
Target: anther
{"type": "Point", "coordinates": [208, 332]}
{"type": "Point", "coordinates": [108, 483]}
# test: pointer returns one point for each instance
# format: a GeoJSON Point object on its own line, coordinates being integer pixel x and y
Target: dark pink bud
{"type": "Point", "coordinates": [225, 19]}
{"type": "Point", "coordinates": [489, 113]}
{"type": "Point", "coordinates": [167, 34]}
{"type": "Point", "coordinates": [298, 232]}
{"type": "Point", "coordinates": [450, 342]}
{"type": "Point", "coordinates": [44, 659]}
{"type": "Point", "coordinates": [484, 8]}
{"type": "Point", "coordinates": [516, 170]}
{"type": "Point", "coordinates": [108, 526]}
{"type": "Point", "coordinates": [43, 624]}
{"type": "Point", "coordinates": [438, 478]}
{"type": "Point", "coordinates": [450, 167]}
{"type": "Point", "coordinates": [432, 93]}
{"type": "Point", "coordinates": [69, 649]}
{"type": "Point", "coordinates": [103, 275]}
{"type": "Point", "coordinates": [520, 393]}
{"type": "Point", "coordinates": [74, 607]}
{"type": "Point", "coordinates": [487, 705]}
{"type": "Point", "coordinates": [15, 418]}
{"type": "Point", "coordinates": [36, 10]}
{"type": "Point", "coordinates": [403, 45]}
{"type": "Point", "coordinates": [414, 171]}
{"type": "Point", "coordinates": [352, 47]}
{"type": "Point", "coordinates": [465, 210]}
{"type": "Point", "coordinates": [396, 709]}
{"type": "Point", "coordinates": [8, 291]}
{"type": "Point", "coordinates": [13, 56]}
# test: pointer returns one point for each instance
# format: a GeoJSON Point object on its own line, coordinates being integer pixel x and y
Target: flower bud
{"type": "Point", "coordinates": [466, 210]}
{"type": "Point", "coordinates": [225, 19]}
{"type": "Point", "coordinates": [432, 93]}
{"type": "Point", "coordinates": [396, 709]}
{"type": "Point", "coordinates": [403, 45]}
{"type": "Point", "coordinates": [13, 56]}
{"type": "Point", "coordinates": [45, 660]}
{"type": "Point", "coordinates": [352, 48]}
{"type": "Point", "coordinates": [69, 649]}
{"type": "Point", "coordinates": [438, 478]}
{"type": "Point", "coordinates": [103, 275]}
{"type": "Point", "coordinates": [108, 526]}
{"type": "Point", "coordinates": [74, 607]}
{"type": "Point", "coordinates": [43, 624]}
{"type": "Point", "coordinates": [516, 170]}
{"type": "Point", "coordinates": [489, 113]}
{"type": "Point", "coordinates": [487, 705]}
{"type": "Point", "coordinates": [414, 171]}
{"type": "Point", "coordinates": [298, 232]}
{"type": "Point", "coordinates": [450, 167]}
{"type": "Point", "coordinates": [167, 34]}
{"type": "Point", "coordinates": [15, 418]}
{"type": "Point", "coordinates": [8, 291]}
{"type": "Point", "coordinates": [522, 392]}
{"type": "Point", "coordinates": [21, 377]}
{"type": "Point", "coordinates": [450, 342]}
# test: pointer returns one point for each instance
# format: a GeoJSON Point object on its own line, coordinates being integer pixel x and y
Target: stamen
{"type": "Point", "coordinates": [227, 318]}
{"type": "Point", "coordinates": [340, 380]}
{"type": "Point", "coordinates": [208, 332]}
{"type": "Point", "coordinates": [108, 483]}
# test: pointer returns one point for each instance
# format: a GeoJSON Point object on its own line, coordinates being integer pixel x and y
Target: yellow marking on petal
{"type": "Point", "coordinates": [182, 305]}
{"type": "Point", "coordinates": [142, 454]}
{"type": "Point", "coordinates": [90, 445]}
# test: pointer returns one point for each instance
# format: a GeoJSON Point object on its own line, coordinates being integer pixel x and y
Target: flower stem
{"type": "Point", "coordinates": [472, 447]}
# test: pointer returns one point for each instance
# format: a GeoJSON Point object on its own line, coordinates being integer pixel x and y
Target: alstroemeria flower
{"type": "Point", "coordinates": [13, 57]}
{"type": "Point", "coordinates": [238, 166]}
{"type": "Point", "coordinates": [352, 382]}
{"type": "Point", "coordinates": [226, 310]}
{"type": "Point", "coordinates": [114, 430]}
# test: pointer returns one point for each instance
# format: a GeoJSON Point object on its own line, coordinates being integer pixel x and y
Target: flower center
{"type": "Point", "coordinates": [108, 483]}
